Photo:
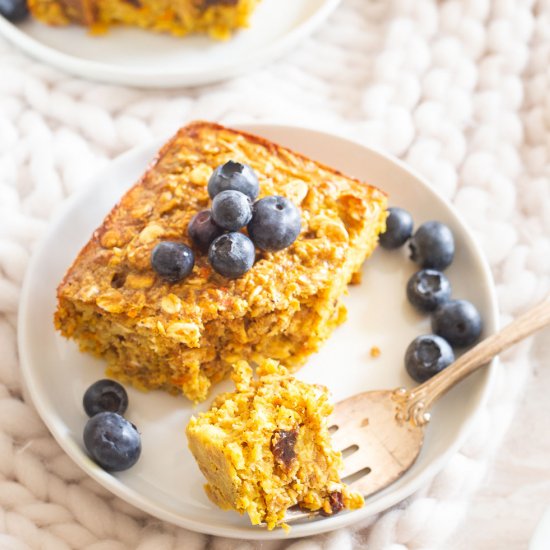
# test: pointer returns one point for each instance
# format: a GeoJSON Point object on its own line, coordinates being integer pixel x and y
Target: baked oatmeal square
{"type": "Point", "coordinates": [183, 337]}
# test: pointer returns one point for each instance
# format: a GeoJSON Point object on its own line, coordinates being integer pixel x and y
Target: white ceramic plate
{"type": "Point", "coordinates": [166, 481]}
{"type": "Point", "coordinates": [138, 58]}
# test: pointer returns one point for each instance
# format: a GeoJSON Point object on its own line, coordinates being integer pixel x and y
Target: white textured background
{"type": "Point", "coordinates": [459, 89]}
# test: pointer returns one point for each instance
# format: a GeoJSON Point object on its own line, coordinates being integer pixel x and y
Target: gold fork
{"type": "Point", "coordinates": [381, 432]}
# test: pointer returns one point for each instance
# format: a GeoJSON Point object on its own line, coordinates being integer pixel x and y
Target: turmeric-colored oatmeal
{"type": "Point", "coordinates": [217, 18]}
{"type": "Point", "coordinates": [266, 447]}
{"type": "Point", "coordinates": [183, 337]}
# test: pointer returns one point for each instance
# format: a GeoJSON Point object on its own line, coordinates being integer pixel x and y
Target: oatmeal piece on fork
{"type": "Point", "coordinates": [266, 447]}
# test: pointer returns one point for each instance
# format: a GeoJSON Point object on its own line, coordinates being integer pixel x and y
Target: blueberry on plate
{"type": "Point", "coordinates": [14, 10]}
{"type": "Point", "coordinates": [427, 289]}
{"type": "Point", "coordinates": [231, 210]}
{"type": "Point", "coordinates": [235, 176]}
{"type": "Point", "coordinates": [458, 321]}
{"type": "Point", "coordinates": [105, 395]}
{"type": "Point", "coordinates": [172, 261]}
{"type": "Point", "coordinates": [232, 255]}
{"type": "Point", "coordinates": [112, 441]}
{"type": "Point", "coordinates": [275, 224]}
{"type": "Point", "coordinates": [426, 356]}
{"type": "Point", "coordinates": [399, 226]}
{"type": "Point", "coordinates": [202, 230]}
{"type": "Point", "coordinates": [432, 246]}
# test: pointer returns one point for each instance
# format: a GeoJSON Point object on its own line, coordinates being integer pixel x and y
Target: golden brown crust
{"type": "Point", "coordinates": [193, 130]}
{"type": "Point", "coordinates": [109, 218]}
{"type": "Point", "coordinates": [114, 305]}
{"type": "Point", "coordinates": [277, 150]}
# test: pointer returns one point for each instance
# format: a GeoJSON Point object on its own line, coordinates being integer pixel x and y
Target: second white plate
{"type": "Point", "coordinates": [166, 481]}
{"type": "Point", "coordinates": [140, 58]}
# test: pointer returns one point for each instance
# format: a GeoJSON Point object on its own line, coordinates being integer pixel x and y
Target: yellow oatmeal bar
{"type": "Point", "coordinates": [183, 337]}
{"type": "Point", "coordinates": [266, 447]}
{"type": "Point", "coordinates": [218, 18]}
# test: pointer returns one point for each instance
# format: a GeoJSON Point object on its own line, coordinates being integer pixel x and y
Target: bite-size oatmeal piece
{"type": "Point", "coordinates": [266, 447]}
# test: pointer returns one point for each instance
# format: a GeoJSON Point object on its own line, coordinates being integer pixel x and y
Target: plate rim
{"type": "Point", "coordinates": [131, 76]}
{"type": "Point", "coordinates": [115, 486]}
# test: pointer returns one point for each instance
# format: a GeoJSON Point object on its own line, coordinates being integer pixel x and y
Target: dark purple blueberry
{"type": "Point", "coordinates": [172, 261]}
{"type": "Point", "coordinates": [112, 441]}
{"type": "Point", "coordinates": [231, 210]}
{"type": "Point", "coordinates": [234, 176]}
{"type": "Point", "coordinates": [14, 10]}
{"type": "Point", "coordinates": [458, 321]}
{"type": "Point", "coordinates": [432, 246]}
{"type": "Point", "coordinates": [426, 356]}
{"type": "Point", "coordinates": [428, 289]}
{"type": "Point", "coordinates": [232, 255]}
{"type": "Point", "coordinates": [275, 224]}
{"type": "Point", "coordinates": [202, 230]}
{"type": "Point", "coordinates": [399, 226]}
{"type": "Point", "coordinates": [105, 395]}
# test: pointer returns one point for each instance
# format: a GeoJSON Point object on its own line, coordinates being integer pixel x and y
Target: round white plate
{"type": "Point", "coordinates": [139, 58]}
{"type": "Point", "coordinates": [166, 482]}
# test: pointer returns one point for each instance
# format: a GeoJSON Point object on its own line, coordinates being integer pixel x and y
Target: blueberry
{"type": "Point", "coordinates": [112, 441]}
{"type": "Point", "coordinates": [427, 289]}
{"type": "Point", "coordinates": [432, 246]}
{"type": "Point", "coordinates": [105, 395]}
{"type": "Point", "coordinates": [231, 210]}
{"type": "Point", "coordinates": [232, 255]}
{"type": "Point", "coordinates": [14, 10]}
{"type": "Point", "coordinates": [458, 321]}
{"type": "Point", "coordinates": [202, 230]}
{"type": "Point", "coordinates": [172, 261]}
{"type": "Point", "coordinates": [426, 356]}
{"type": "Point", "coordinates": [275, 224]}
{"type": "Point", "coordinates": [399, 226]}
{"type": "Point", "coordinates": [235, 176]}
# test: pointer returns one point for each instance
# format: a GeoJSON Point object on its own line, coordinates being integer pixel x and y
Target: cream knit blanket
{"type": "Point", "coordinates": [457, 88]}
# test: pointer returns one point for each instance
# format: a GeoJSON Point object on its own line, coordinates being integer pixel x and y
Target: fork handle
{"type": "Point", "coordinates": [415, 403]}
